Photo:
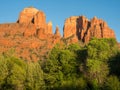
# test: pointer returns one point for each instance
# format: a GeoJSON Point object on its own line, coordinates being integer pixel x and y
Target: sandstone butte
{"type": "Point", "coordinates": [80, 28]}
{"type": "Point", "coordinates": [32, 37]}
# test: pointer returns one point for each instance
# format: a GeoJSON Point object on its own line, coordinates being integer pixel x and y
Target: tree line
{"type": "Point", "coordinates": [94, 66]}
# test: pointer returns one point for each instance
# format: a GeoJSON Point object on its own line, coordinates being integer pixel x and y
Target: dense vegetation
{"type": "Point", "coordinates": [94, 66]}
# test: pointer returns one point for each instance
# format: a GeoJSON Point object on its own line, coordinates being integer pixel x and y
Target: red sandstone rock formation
{"type": "Point", "coordinates": [39, 20]}
{"type": "Point", "coordinates": [57, 32]}
{"type": "Point", "coordinates": [27, 15]}
{"type": "Point", "coordinates": [70, 26]}
{"type": "Point", "coordinates": [49, 28]}
{"type": "Point", "coordinates": [84, 29]}
{"type": "Point", "coordinates": [31, 36]}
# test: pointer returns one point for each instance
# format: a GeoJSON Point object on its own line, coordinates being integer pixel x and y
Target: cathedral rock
{"type": "Point", "coordinates": [80, 28]}
{"type": "Point", "coordinates": [32, 37]}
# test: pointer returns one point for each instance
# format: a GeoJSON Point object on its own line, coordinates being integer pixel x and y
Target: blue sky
{"type": "Point", "coordinates": [58, 10]}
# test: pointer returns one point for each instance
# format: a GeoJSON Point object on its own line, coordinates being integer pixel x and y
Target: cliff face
{"type": "Point", "coordinates": [31, 36]}
{"type": "Point", "coordinates": [84, 29]}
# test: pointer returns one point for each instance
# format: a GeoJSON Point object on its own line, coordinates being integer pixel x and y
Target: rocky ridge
{"type": "Point", "coordinates": [32, 37]}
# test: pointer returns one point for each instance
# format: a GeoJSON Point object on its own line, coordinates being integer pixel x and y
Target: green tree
{"type": "Point", "coordinates": [3, 70]}
{"type": "Point", "coordinates": [112, 83]}
{"type": "Point", "coordinates": [74, 47]}
{"type": "Point", "coordinates": [114, 64]}
{"type": "Point", "coordinates": [97, 72]}
{"type": "Point", "coordinates": [15, 73]}
{"type": "Point", "coordinates": [34, 77]}
{"type": "Point", "coordinates": [95, 67]}
{"type": "Point", "coordinates": [62, 66]}
{"type": "Point", "coordinates": [98, 49]}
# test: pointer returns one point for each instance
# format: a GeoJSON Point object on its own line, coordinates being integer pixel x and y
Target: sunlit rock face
{"type": "Point", "coordinates": [49, 28]}
{"type": "Point", "coordinates": [31, 36]}
{"type": "Point", "coordinates": [84, 29]}
{"type": "Point", "coordinates": [39, 20]}
{"type": "Point", "coordinates": [27, 14]}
